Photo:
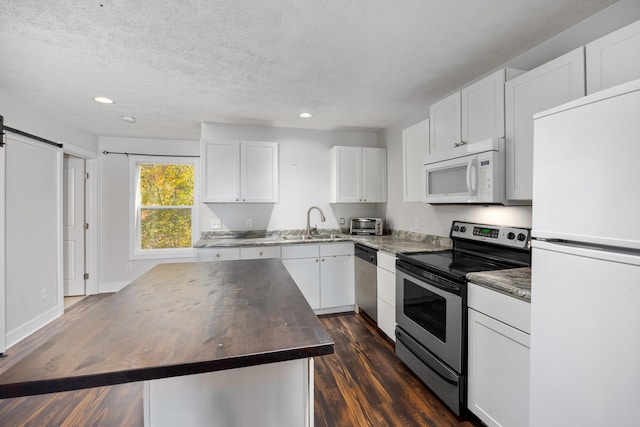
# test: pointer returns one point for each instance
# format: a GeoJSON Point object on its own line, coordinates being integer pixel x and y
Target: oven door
{"type": "Point", "coordinates": [430, 309]}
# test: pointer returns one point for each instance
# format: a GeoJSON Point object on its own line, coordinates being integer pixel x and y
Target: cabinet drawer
{"type": "Point", "coordinates": [333, 249]}
{"type": "Point", "coordinates": [386, 261]}
{"type": "Point", "coordinates": [504, 308]}
{"type": "Point", "coordinates": [386, 286]}
{"type": "Point", "coordinates": [260, 252]}
{"type": "Point", "coordinates": [300, 251]}
{"type": "Point", "coordinates": [387, 319]}
{"type": "Point", "coordinates": [217, 254]}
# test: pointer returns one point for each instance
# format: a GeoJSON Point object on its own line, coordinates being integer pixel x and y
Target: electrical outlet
{"type": "Point", "coordinates": [342, 222]}
{"type": "Point", "coordinates": [43, 294]}
{"type": "Point", "coordinates": [416, 223]}
{"type": "Point", "coordinates": [129, 266]}
{"type": "Point", "coordinates": [249, 223]}
{"type": "Point", "coordinates": [294, 160]}
{"type": "Point", "coordinates": [216, 224]}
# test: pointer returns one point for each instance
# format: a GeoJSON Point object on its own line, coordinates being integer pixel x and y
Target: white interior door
{"type": "Point", "coordinates": [74, 232]}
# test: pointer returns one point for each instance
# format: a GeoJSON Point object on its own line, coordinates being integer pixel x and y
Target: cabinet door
{"type": "Point", "coordinates": [415, 145]}
{"type": "Point", "coordinates": [337, 281]}
{"type": "Point", "coordinates": [346, 174]}
{"type": "Point", "coordinates": [221, 171]}
{"type": "Point", "coordinates": [498, 380]}
{"type": "Point", "coordinates": [554, 83]}
{"type": "Point", "coordinates": [445, 123]}
{"type": "Point", "coordinates": [306, 273]}
{"type": "Point", "coordinates": [483, 108]}
{"type": "Point", "coordinates": [259, 171]}
{"type": "Point", "coordinates": [374, 175]}
{"type": "Point", "coordinates": [614, 59]}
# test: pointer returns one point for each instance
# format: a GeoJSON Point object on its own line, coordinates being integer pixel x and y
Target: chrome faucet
{"type": "Point", "coordinates": [322, 218]}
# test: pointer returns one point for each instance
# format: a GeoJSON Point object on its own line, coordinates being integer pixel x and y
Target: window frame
{"type": "Point", "coordinates": [135, 250]}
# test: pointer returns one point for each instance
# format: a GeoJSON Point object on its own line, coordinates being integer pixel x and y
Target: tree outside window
{"type": "Point", "coordinates": [165, 203]}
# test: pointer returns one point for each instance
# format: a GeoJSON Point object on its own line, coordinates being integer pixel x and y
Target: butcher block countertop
{"type": "Point", "coordinates": [177, 319]}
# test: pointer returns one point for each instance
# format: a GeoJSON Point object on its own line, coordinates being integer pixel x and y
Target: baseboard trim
{"type": "Point", "coordinates": [23, 331]}
{"type": "Point", "coordinates": [104, 288]}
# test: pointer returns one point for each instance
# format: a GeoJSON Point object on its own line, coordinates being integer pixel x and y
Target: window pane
{"type": "Point", "coordinates": [165, 228]}
{"type": "Point", "coordinates": [166, 185]}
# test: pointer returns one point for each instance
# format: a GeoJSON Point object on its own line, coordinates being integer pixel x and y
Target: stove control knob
{"type": "Point", "coordinates": [463, 229]}
{"type": "Point", "coordinates": [456, 228]}
{"type": "Point", "coordinates": [521, 237]}
{"type": "Point", "coordinates": [511, 236]}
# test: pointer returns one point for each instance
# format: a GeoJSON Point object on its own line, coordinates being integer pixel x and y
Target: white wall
{"type": "Point", "coordinates": [437, 219]}
{"type": "Point", "coordinates": [113, 207]}
{"type": "Point", "coordinates": [28, 118]}
{"type": "Point", "coordinates": [302, 185]}
{"type": "Point", "coordinates": [21, 305]}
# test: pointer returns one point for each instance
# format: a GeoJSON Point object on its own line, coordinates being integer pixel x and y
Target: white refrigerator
{"type": "Point", "coordinates": [585, 305]}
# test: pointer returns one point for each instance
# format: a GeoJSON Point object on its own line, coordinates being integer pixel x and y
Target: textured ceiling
{"type": "Point", "coordinates": [355, 64]}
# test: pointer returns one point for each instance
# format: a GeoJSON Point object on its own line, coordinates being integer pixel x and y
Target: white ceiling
{"type": "Point", "coordinates": [355, 64]}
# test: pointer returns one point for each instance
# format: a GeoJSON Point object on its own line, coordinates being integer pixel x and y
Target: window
{"type": "Point", "coordinates": [164, 199]}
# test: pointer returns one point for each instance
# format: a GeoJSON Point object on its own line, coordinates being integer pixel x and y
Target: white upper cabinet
{"type": "Point", "coordinates": [444, 124]}
{"type": "Point", "coordinates": [237, 172]}
{"type": "Point", "coordinates": [551, 84]}
{"type": "Point", "coordinates": [358, 175]}
{"type": "Point", "coordinates": [614, 59]}
{"type": "Point", "coordinates": [415, 145]}
{"type": "Point", "coordinates": [473, 114]}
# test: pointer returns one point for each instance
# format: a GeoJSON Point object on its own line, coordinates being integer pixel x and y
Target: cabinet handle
{"type": "Point", "coordinates": [243, 200]}
{"type": "Point", "coordinates": [260, 253]}
{"type": "Point", "coordinates": [322, 259]}
{"type": "Point", "coordinates": [365, 200]}
{"type": "Point", "coordinates": [237, 200]}
{"type": "Point", "coordinates": [218, 255]}
{"type": "Point", "coordinates": [316, 259]}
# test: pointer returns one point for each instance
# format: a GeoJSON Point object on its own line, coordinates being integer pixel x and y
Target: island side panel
{"type": "Point", "coordinates": [271, 395]}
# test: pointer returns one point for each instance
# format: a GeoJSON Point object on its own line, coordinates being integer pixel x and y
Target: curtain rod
{"type": "Point", "coordinates": [28, 135]}
{"type": "Point", "coordinates": [105, 152]}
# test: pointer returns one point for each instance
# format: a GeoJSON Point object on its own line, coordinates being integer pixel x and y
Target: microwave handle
{"type": "Point", "coordinates": [471, 176]}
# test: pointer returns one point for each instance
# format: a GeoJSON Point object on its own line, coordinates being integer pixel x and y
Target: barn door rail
{"type": "Point", "coordinates": [19, 132]}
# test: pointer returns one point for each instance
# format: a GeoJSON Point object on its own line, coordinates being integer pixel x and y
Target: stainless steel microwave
{"type": "Point", "coordinates": [367, 226]}
{"type": "Point", "coordinates": [473, 174]}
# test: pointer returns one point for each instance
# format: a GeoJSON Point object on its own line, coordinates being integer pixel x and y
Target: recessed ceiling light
{"type": "Point", "coordinates": [128, 119]}
{"type": "Point", "coordinates": [305, 115]}
{"type": "Point", "coordinates": [103, 100]}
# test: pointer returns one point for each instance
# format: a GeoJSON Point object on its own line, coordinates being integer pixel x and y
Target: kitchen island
{"type": "Point", "coordinates": [223, 343]}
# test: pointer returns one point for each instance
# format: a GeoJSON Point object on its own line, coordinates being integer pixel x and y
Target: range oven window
{"type": "Point", "coordinates": [427, 309]}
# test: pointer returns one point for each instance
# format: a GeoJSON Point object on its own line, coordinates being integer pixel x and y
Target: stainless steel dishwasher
{"type": "Point", "coordinates": [366, 280]}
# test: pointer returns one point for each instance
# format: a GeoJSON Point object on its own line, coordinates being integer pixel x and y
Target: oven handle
{"type": "Point", "coordinates": [433, 280]}
{"type": "Point", "coordinates": [419, 352]}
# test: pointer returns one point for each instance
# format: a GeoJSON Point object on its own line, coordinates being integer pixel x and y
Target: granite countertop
{"type": "Point", "coordinates": [177, 319]}
{"type": "Point", "coordinates": [515, 282]}
{"type": "Point", "coordinates": [394, 243]}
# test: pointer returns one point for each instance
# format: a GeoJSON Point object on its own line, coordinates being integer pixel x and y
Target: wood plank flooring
{"type": "Point", "coordinates": [362, 384]}
{"type": "Point", "coordinates": [365, 384]}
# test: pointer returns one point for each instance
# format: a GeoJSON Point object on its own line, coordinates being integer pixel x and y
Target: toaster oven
{"type": "Point", "coordinates": [367, 226]}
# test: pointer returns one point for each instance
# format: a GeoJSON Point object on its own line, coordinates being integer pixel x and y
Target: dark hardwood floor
{"type": "Point", "coordinates": [362, 384]}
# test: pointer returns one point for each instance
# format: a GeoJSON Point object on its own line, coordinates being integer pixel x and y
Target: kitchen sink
{"type": "Point", "coordinates": [321, 237]}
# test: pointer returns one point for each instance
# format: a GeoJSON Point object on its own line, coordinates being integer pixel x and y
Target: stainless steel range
{"type": "Point", "coordinates": [431, 302]}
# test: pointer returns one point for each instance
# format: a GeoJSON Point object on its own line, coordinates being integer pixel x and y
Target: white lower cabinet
{"type": "Point", "coordinates": [306, 273]}
{"type": "Point", "coordinates": [324, 273]}
{"type": "Point", "coordinates": [217, 254]}
{"type": "Point", "coordinates": [498, 381]}
{"type": "Point", "coordinates": [386, 282]}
